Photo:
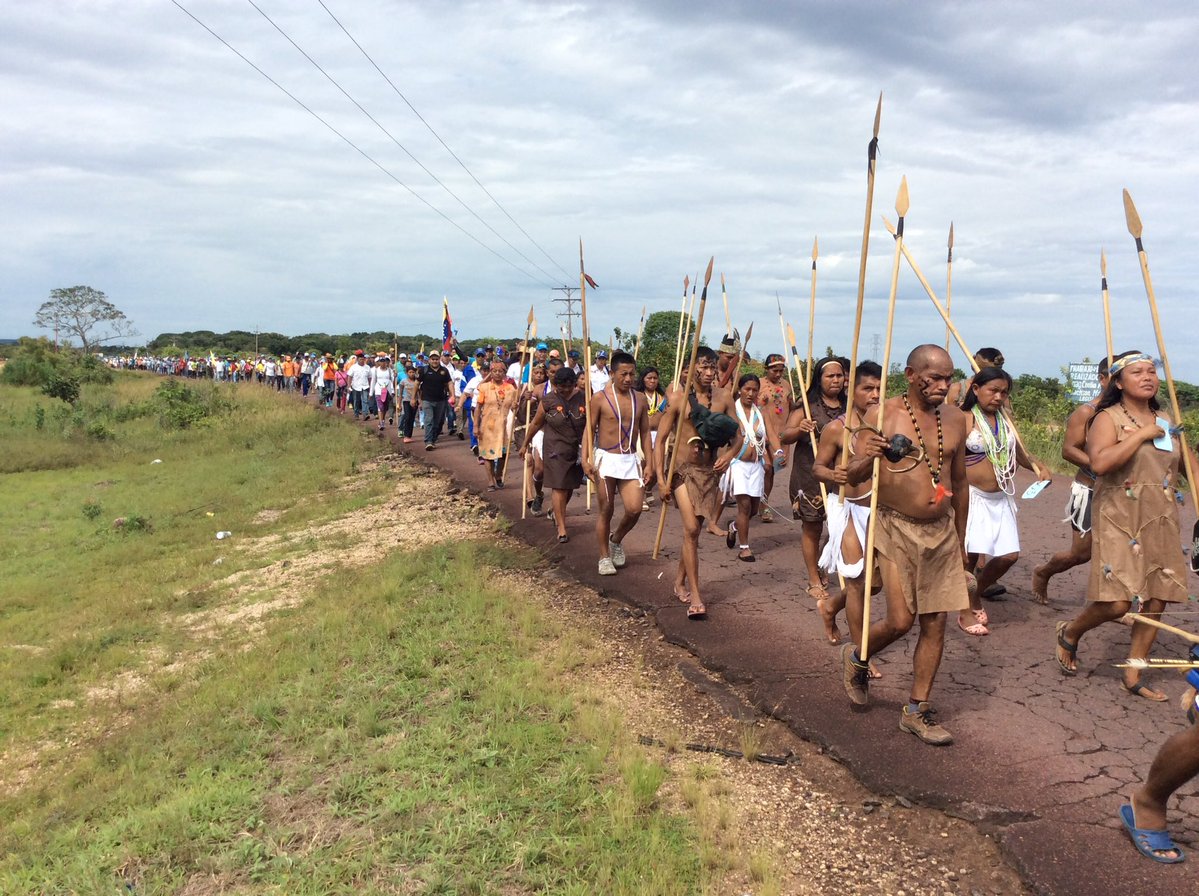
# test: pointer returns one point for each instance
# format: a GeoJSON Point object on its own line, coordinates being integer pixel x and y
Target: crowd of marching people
{"type": "Point", "coordinates": [923, 482]}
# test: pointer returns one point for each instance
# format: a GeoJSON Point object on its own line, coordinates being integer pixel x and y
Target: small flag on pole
{"type": "Point", "coordinates": [447, 326]}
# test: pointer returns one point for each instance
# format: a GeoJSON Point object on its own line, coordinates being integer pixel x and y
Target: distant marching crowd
{"type": "Point", "coordinates": [931, 471]}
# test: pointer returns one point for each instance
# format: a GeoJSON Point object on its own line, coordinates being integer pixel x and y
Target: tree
{"type": "Point", "coordinates": [657, 342]}
{"type": "Point", "coordinates": [84, 314]}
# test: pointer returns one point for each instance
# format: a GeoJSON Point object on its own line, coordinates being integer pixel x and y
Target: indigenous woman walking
{"type": "Point", "coordinates": [493, 400]}
{"type": "Point", "coordinates": [826, 398]}
{"type": "Point", "coordinates": [1136, 544]}
{"type": "Point", "coordinates": [561, 419]}
{"type": "Point", "coordinates": [743, 465]}
{"type": "Point", "coordinates": [992, 455]}
{"type": "Point", "coordinates": [650, 386]}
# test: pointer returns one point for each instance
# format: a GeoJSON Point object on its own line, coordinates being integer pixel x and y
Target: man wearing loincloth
{"type": "Point", "coordinates": [1078, 507]}
{"type": "Point", "coordinates": [694, 485]}
{"type": "Point", "coordinates": [774, 399]}
{"type": "Point", "coordinates": [610, 458]}
{"type": "Point", "coordinates": [919, 531]}
{"type": "Point", "coordinates": [847, 520]}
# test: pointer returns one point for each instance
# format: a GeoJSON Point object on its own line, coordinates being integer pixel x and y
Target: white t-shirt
{"type": "Point", "coordinates": [599, 378]}
{"type": "Point", "coordinates": [459, 380]}
{"type": "Point", "coordinates": [382, 378]}
{"type": "Point", "coordinates": [360, 377]}
{"type": "Point", "coordinates": [472, 386]}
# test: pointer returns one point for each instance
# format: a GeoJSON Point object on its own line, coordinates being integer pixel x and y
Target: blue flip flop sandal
{"type": "Point", "coordinates": [1150, 843]}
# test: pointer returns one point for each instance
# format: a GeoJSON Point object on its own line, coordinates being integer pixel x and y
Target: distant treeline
{"type": "Point", "coordinates": [242, 342]}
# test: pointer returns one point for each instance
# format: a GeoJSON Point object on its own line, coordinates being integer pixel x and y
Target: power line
{"type": "Point", "coordinates": [392, 138]}
{"type": "Point", "coordinates": [355, 146]}
{"type": "Point", "coordinates": [400, 94]}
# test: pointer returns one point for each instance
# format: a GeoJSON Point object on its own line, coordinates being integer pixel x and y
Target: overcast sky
{"type": "Point", "coordinates": [145, 159]}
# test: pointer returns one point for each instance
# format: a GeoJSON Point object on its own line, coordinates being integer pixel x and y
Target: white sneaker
{"type": "Point", "coordinates": [607, 567]}
{"type": "Point", "coordinates": [617, 552]}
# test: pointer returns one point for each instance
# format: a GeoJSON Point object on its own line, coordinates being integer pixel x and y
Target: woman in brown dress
{"type": "Point", "coordinates": [826, 398]}
{"type": "Point", "coordinates": [562, 416]}
{"type": "Point", "coordinates": [1137, 554]}
{"type": "Point", "coordinates": [494, 398]}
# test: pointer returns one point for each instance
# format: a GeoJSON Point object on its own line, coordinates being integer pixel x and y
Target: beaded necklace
{"type": "Point", "coordinates": [936, 473]}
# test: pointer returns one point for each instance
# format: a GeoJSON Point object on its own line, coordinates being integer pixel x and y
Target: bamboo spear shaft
{"type": "Point", "coordinates": [724, 295]}
{"type": "Point", "coordinates": [1107, 306]}
{"type": "Point", "coordinates": [944, 312]}
{"type": "Point", "coordinates": [1157, 623]}
{"type": "Point", "coordinates": [565, 347]}
{"type": "Point", "coordinates": [812, 308]}
{"type": "Point", "coordinates": [640, 333]}
{"type": "Point", "coordinates": [1134, 228]}
{"type": "Point", "coordinates": [871, 163]}
{"type": "Point", "coordinates": [741, 356]}
{"type": "Point", "coordinates": [530, 328]}
{"type": "Point", "coordinates": [678, 420]}
{"type": "Point", "coordinates": [678, 339]}
{"type": "Point", "coordinates": [787, 356]}
{"type": "Point", "coordinates": [528, 461]}
{"type": "Point", "coordinates": [901, 209]}
{"type": "Point", "coordinates": [586, 362]}
{"type": "Point", "coordinates": [949, 283]}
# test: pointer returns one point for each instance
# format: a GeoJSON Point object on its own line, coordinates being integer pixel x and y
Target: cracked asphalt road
{"type": "Point", "coordinates": [1041, 760]}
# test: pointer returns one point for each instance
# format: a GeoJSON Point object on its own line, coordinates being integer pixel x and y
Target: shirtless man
{"type": "Point", "coordinates": [775, 400]}
{"type": "Point", "coordinates": [847, 521]}
{"type": "Point", "coordinates": [726, 360]}
{"type": "Point", "coordinates": [695, 481]}
{"type": "Point", "coordinates": [622, 423]}
{"type": "Point", "coordinates": [1078, 509]}
{"type": "Point", "coordinates": [919, 533]}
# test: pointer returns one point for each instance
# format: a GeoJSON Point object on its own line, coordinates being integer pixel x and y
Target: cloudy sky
{"type": "Point", "coordinates": [142, 157]}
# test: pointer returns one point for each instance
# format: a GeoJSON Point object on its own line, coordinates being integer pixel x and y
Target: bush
{"type": "Point", "coordinates": [180, 406]}
{"type": "Point", "coordinates": [62, 387]}
{"type": "Point", "coordinates": [36, 363]}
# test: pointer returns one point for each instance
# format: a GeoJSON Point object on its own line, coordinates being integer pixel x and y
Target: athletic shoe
{"type": "Point", "coordinates": [617, 552]}
{"type": "Point", "coordinates": [607, 567]}
{"type": "Point", "coordinates": [461, 437]}
{"type": "Point", "coordinates": [922, 724]}
{"type": "Point", "coordinates": [535, 504]}
{"type": "Point", "coordinates": [856, 676]}
{"type": "Point", "coordinates": [429, 446]}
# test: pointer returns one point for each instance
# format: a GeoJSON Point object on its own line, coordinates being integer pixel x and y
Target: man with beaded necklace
{"type": "Point", "coordinates": [919, 530]}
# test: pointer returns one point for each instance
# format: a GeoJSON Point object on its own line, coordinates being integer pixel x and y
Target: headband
{"type": "Point", "coordinates": [1117, 366]}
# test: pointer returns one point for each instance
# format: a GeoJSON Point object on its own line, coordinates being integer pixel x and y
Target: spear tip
{"type": "Point", "coordinates": [722, 279]}
{"type": "Point", "coordinates": [1103, 263]}
{"type": "Point", "coordinates": [708, 274]}
{"type": "Point", "coordinates": [1130, 214]}
{"type": "Point", "coordinates": [878, 114]}
{"type": "Point", "coordinates": [815, 247]}
{"type": "Point", "coordinates": [686, 282]}
{"type": "Point", "coordinates": [950, 234]}
{"type": "Point", "coordinates": [901, 201]}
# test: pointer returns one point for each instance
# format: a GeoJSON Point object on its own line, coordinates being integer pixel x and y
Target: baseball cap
{"type": "Point", "coordinates": [555, 354]}
{"type": "Point", "coordinates": [479, 352]}
{"type": "Point", "coordinates": [541, 346]}
{"type": "Point", "coordinates": [359, 352]}
{"type": "Point", "coordinates": [601, 354]}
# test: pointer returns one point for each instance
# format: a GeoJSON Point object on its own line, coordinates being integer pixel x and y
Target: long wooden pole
{"type": "Point", "coordinates": [871, 163]}
{"type": "Point", "coordinates": [787, 355]}
{"type": "Point", "coordinates": [528, 461]}
{"type": "Point", "coordinates": [586, 362]}
{"type": "Point", "coordinates": [944, 312]}
{"type": "Point", "coordinates": [949, 283]}
{"type": "Point", "coordinates": [1134, 228]}
{"type": "Point", "coordinates": [724, 295]}
{"type": "Point", "coordinates": [812, 308]}
{"type": "Point", "coordinates": [741, 355]}
{"type": "Point", "coordinates": [1157, 623]}
{"type": "Point", "coordinates": [684, 314]}
{"type": "Point", "coordinates": [640, 333]}
{"type": "Point", "coordinates": [901, 209]}
{"type": "Point", "coordinates": [1107, 307]}
{"type": "Point", "coordinates": [678, 420]}
{"type": "Point", "coordinates": [530, 328]}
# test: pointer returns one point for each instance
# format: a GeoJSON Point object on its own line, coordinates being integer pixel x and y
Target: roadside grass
{"type": "Point", "coordinates": [408, 726]}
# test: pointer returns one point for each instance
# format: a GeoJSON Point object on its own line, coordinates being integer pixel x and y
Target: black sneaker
{"type": "Point", "coordinates": [535, 505]}
{"type": "Point", "coordinates": [461, 437]}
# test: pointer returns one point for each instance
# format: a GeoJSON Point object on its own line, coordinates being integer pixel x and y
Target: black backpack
{"type": "Point", "coordinates": [714, 428]}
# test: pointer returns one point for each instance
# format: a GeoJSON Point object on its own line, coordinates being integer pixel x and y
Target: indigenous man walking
{"type": "Point", "coordinates": [694, 486]}
{"type": "Point", "coordinates": [621, 425]}
{"type": "Point", "coordinates": [919, 532]}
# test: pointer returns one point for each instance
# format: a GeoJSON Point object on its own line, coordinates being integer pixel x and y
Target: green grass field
{"type": "Point", "coordinates": [407, 725]}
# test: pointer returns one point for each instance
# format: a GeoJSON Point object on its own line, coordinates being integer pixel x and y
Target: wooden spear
{"type": "Point", "coordinates": [1134, 228]}
{"type": "Point", "coordinates": [586, 365]}
{"type": "Point", "coordinates": [949, 283]}
{"type": "Point", "coordinates": [528, 461]}
{"type": "Point", "coordinates": [530, 328]}
{"type": "Point", "coordinates": [944, 312]}
{"type": "Point", "coordinates": [1157, 623]}
{"type": "Point", "coordinates": [741, 356]}
{"type": "Point", "coordinates": [640, 333]}
{"type": "Point", "coordinates": [678, 340]}
{"type": "Point", "coordinates": [565, 346]}
{"type": "Point", "coordinates": [871, 162]}
{"type": "Point", "coordinates": [728, 319]}
{"type": "Point", "coordinates": [812, 308]}
{"type": "Point", "coordinates": [790, 365]}
{"type": "Point", "coordinates": [901, 209]}
{"type": "Point", "coordinates": [1107, 306]}
{"type": "Point", "coordinates": [678, 420]}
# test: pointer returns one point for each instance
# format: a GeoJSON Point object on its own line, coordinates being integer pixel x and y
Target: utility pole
{"type": "Point", "coordinates": [256, 342]}
{"type": "Point", "coordinates": [876, 347]}
{"type": "Point", "coordinates": [569, 314]}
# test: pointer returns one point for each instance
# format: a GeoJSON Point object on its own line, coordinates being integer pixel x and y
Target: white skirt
{"type": "Point", "coordinates": [991, 524]}
{"type": "Point", "coordinates": [613, 465]}
{"type": "Point", "coordinates": [538, 441]}
{"type": "Point", "coordinates": [839, 516]}
{"type": "Point", "coordinates": [744, 478]}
